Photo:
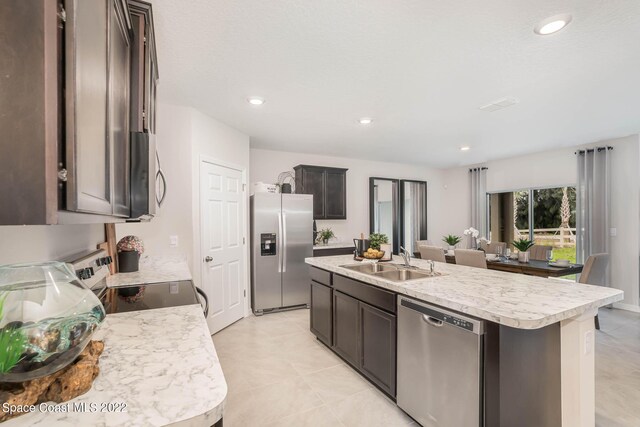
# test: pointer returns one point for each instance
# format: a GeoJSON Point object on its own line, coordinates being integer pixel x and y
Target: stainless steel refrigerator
{"type": "Point", "coordinates": [281, 238]}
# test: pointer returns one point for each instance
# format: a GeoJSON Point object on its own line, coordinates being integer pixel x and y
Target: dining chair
{"type": "Point", "coordinates": [434, 253]}
{"type": "Point", "coordinates": [492, 248]}
{"type": "Point", "coordinates": [422, 243]}
{"type": "Point", "coordinates": [594, 272]}
{"type": "Point", "coordinates": [539, 252]}
{"type": "Point", "coordinates": [470, 258]}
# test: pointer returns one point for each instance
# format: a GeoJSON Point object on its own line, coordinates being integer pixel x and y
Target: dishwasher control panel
{"type": "Point", "coordinates": [443, 316]}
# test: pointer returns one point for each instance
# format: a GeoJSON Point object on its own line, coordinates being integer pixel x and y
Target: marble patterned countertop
{"type": "Point", "coordinates": [333, 245]}
{"type": "Point", "coordinates": [153, 269]}
{"type": "Point", "coordinates": [160, 363]}
{"type": "Point", "coordinates": [516, 300]}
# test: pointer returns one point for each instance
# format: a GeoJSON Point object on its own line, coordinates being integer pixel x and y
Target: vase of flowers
{"type": "Point", "coordinates": [473, 237]}
{"type": "Point", "coordinates": [523, 246]}
{"type": "Point", "coordinates": [452, 241]}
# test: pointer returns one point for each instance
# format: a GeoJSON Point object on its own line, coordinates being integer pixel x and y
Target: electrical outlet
{"type": "Point", "coordinates": [173, 241]}
{"type": "Point", "coordinates": [613, 232]}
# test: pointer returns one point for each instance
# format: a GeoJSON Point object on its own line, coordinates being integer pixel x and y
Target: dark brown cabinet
{"type": "Point", "coordinates": [358, 322]}
{"type": "Point", "coordinates": [378, 347]}
{"type": "Point", "coordinates": [144, 68]}
{"type": "Point", "coordinates": [346, 327]}
{"type": "Point", "coordinates": [329, 189]}
{"type": "Point", "coordinates": [321, 312]}
{"type": "Point", "coordinates": [69, 67]}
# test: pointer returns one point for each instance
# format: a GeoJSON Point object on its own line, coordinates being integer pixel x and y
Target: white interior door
{"type": "Point", "coordinates": [222, 207]}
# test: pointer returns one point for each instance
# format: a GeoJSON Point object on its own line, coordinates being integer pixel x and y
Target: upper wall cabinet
{"type": "Point", "coordinates": [144, 68]}
{"type": "Point", "coordinates": [66, 108]}
{"type": "Point", "coordinates": [329, 189]}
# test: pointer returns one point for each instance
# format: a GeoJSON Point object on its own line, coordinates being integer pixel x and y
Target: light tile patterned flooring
{"type": "Point", "coordinates": [279, 375]}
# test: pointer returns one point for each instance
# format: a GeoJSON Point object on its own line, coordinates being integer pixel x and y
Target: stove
{"type": "Point", "coordinates": [93, 268]}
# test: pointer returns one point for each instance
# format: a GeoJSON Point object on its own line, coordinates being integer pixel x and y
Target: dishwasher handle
{"type": "Point", "coordinates": [432, 321]}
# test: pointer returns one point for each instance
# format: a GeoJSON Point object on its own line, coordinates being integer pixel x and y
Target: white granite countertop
{"type": "Point", "coordinates": [333, 245]}
{"type": "Point", "coordinates": [160, 363]}
{"type": "Point", "coordinates": [516, 300]}
{"type": "Point", "coordinates": [153, 269]}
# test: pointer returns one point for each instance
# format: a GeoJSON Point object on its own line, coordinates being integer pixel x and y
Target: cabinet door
{"type": "Point", "coordinates": [378, 347]}
{"type": "Point", "coordinates": [119, 72]}
{"type": "Point", "coordinates": [335, 204]}
{"type": "Point", "coordinates": [321, 313]}
{"type": "Point", "coordinates": [313, 183]}
{"type": "Point", "coordinates": [345, 327]}
{"type": "Point", "coordinates": [88, 153]}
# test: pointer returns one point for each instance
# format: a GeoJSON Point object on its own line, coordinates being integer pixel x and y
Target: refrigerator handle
{"type": "Point", "coordinates": [284, 241]}
{"type": "Point", "coordinates": [280, 242]}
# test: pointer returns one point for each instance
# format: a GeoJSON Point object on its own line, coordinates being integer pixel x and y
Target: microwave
{"type": "Point", "coordinates": [145, 177]}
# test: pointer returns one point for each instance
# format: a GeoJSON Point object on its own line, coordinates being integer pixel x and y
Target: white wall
{"type": "Point", "coordinates": [558, 168]}
{"type": "Point", "coordinates": [266, 165]}
{"type": "Point", "coordinates": [37, 243]}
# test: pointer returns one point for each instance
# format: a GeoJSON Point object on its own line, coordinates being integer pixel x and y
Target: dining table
{"type": "Point", "coordinates": [532, 268]}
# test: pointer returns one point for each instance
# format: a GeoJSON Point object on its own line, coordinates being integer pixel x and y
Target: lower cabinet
{"type": "Point", "coordinates": [361, 330]}
{"type": "Point", "coordinates": [321, 312]}
{"type": "Point", "coordinates": [346, 327]}
{"type": "Point", "coordinates": [378, 347]}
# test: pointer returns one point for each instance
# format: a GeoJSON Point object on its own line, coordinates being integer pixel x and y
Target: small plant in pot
{"type": "Point", "coordinates": [377, 239]}
{"type": "Point", "coordinates": [452, 241]}
{"type": "Point", "coordinates": [324, 235]}
{"type": "Point", "coordinates": [523, 246]}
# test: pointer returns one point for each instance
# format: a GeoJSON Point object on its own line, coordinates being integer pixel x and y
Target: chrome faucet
{"type": "Point", "coordinates": [406, 255]}
{"type": "Point", "coordinates": [432, 267]}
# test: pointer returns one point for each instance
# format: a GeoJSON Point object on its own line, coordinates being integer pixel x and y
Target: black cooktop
{"type": "Point", "coordinates": [146, 297]}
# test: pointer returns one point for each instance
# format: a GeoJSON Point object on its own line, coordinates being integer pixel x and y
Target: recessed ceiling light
{"type": "Point", "coordinates": [552, 24]}
{"type": "Point", "coordinates": [465, 148]}
{"type": "Point", "coordinates": [366, 120]}
{"type": "Point", "coordinates": [255, 100]}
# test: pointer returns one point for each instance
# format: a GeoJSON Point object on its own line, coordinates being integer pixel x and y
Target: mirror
{"type": "Point", "coordinates": [384, 209]}
{"type": "Point", "coordinates": [413, 195]}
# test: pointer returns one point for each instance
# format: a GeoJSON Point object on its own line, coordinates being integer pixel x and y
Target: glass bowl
{"type": "Point", "coordinates": [47, 317]}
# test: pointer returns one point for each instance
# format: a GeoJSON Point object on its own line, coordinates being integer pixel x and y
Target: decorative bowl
{"type": "Point", "coordinates": [374, 255]}
{"type": "Point", "coordinates": [47, 317]}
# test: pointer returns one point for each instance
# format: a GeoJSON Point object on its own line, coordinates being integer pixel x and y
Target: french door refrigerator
{"type": "Point", "coordinates": [281, 238]}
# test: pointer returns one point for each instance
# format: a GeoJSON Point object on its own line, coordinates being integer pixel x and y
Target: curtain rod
{"type": "Point", "coordinates": [591, 150]}
{"type": "Point", "coordinates": [478, 169]}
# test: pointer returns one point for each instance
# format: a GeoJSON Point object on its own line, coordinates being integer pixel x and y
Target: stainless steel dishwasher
{"type": "Point", "coordinates": [440, 365]}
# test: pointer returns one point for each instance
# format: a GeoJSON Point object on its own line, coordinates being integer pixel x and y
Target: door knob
{"type": "Point", "coordinates": [208, 259]}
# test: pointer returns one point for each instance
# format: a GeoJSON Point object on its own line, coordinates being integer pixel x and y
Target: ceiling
{"type": "Point", "coordinates": [420, 68]}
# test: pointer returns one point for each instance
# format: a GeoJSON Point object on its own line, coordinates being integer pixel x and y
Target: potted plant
{"type": "Point", "coordinates": [523, 246]}
{"type": "Point", "coordinates": [324, 235]}
{"type": "Point", "coordinates": [452, 241]}
{"type": "Point", "coordinates": [377, 239]}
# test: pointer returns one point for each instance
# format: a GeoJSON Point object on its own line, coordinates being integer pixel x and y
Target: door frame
{"type": "Point", "coordinates": [197, 222]}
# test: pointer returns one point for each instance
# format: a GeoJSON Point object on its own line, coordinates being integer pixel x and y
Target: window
{"type": "Point", "coordinates": [551, 211]}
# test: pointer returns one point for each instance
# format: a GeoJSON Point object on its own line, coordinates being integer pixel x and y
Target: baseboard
{"type": "Point", "coordinates": [628, 307]}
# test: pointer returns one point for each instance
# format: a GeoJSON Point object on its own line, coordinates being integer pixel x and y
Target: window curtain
{"type": "Point", "coordinates": [478, 182]}
{"type": "Point", "coordinates": [593, 194]}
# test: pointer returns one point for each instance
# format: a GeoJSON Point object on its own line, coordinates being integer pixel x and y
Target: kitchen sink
{"type": "Point", "coordinates": [394, 272]}
{"type": "Point", "coordinates": [371, 268]}
{"type": "Point", "coordinates": [404, 275]}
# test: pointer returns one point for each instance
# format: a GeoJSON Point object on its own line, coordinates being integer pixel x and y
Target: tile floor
{"type": "Point", "coordinates": [279, 375]}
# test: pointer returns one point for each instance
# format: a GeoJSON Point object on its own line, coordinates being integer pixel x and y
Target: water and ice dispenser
{"type": "Point", "coordinates": [267, 244]}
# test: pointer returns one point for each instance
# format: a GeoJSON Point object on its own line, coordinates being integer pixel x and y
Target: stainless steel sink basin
{"type": "Point", "coordinates": [371, 268]}
{"type": "Point", "coordinates": [394, 272]}
{"type": "Point", "coordinates": [404, 275]}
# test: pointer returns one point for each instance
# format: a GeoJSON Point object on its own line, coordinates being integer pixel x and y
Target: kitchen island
{"type": "Point", "coordinates": [538, 347]}
{"type": "Point", "coordinates": [159, 367]}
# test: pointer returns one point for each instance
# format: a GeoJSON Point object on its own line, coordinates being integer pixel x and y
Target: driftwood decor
{"type": "Point", "coordinates": [64, 385]}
